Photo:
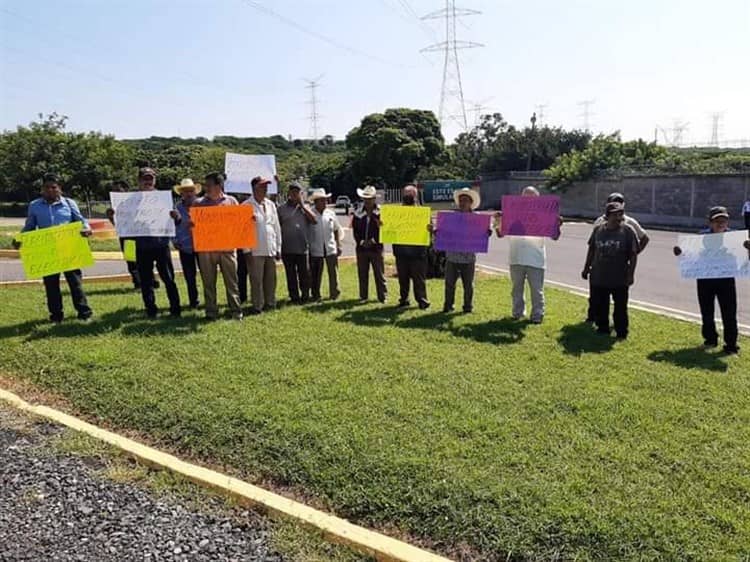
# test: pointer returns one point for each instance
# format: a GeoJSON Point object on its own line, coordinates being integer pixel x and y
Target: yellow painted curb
{"type": "Point", "coordinates": [339, 530]}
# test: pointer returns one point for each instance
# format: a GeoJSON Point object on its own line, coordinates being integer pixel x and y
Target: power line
{"type": "Point", "coordinates": [452, 88]}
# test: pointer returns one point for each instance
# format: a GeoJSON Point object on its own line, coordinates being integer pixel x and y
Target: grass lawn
{"type": "Point", "coordinates": [475, 434]}
{"type": "Point", "coordinates": [97, 244]}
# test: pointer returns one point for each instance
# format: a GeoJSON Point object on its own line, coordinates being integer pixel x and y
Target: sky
{"type": "Point", "coordinates": [135, 68]}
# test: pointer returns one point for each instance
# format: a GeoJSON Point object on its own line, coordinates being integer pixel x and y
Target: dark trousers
{"type": "Point", "coordinates": [747, 221]}
{"type": "Point", "coordinates": [454, 271]}
{"type": "Point", "coordinates": [590, 315]}
{"type": "Point", "coordinates": [374, 259]}
{"type": "Point", "coordinates": [242, 276]}
{"type": "Point", "coordinates": [189, 264]}
{"type": "Point", "coordinates": [331, 263]}
{"type": "Point", "coordinates": [601, 296]}
{"type": "Point", "coordinates": [132, 267]}
{"type": "Point", "coordinates": [725, 291]}
{"type": "Point", "coordinates": [54, 296]}
{"type": "Point", "coordinates": [414, 270]}
{"type": "Point", "coordinates": [297, 276]}
{"type": "Point", "coordinates": [146, 258]}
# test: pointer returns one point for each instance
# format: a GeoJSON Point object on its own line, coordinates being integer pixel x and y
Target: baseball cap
{"type": "Point", "coordinates": [614, 207]}
{"type": "Point", "coordinates": [294, 185]}
{"type": "Point", "coordinates": [143, 172]}
{"type": "Point", "coordinates": [616, 197]}
{"type": "Point", "coordinates": [257, 180]}
{"type": "Point", "coordinates": [717, 213]}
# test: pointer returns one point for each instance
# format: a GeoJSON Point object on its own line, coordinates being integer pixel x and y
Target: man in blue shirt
{"type": "Point", "coordinates": [52, 209]}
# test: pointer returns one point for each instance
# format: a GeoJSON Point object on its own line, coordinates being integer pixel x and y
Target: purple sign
{"type": "Point", "coordinates": [531, 216]}
{"type": "Point", "coordinates": [462, 232]}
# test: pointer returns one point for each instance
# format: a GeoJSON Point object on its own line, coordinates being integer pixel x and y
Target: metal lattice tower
{"type": "Point", "coordinates": [540, 107]}
{"type": "Point", "coordinates": [586, 114]}
{"type": "Point", "coordinates": [716, 118]}
{"type": "Point", "coordinates": [314, 117]}
{"type": "Point", "coordinates": [452, 105]}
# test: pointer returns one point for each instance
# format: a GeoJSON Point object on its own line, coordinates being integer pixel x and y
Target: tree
{"type": "Point", "coordinates": [392, 147]}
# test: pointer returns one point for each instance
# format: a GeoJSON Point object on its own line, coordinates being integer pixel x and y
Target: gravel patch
{"type": "Point", "coordinates": [56, 507]}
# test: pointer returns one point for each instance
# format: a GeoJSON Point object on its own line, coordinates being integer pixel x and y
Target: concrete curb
{"type": "Point", "coordinates": [383, 548]}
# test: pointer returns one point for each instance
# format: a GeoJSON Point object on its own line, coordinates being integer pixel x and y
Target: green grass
{"type": "Point", "coordinates": [468, 432]}
{"type": "Point", "coordinates": [97, 244]}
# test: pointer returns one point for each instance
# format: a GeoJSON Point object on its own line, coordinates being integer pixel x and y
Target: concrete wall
{"type": "Point", "coordinates": [654, 200]}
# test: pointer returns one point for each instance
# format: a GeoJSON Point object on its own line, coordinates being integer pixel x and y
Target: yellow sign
{"type": "Point", "coordinates": [405, 224]}
{"type": "Point", "coordinates": [53, 250]}
{"type": "Point", "coordinates": [128, 250]}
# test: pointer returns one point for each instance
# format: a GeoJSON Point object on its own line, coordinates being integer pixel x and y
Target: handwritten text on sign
{"type": "Point", "coordinates": [224, 228]}
{"type": "Point", "coordinates": [713, 256]}
{"type": "Point", "coordinates": [53, 250]}
{"type": "Point", "coordinates": [531, 216]}
{"type": "Point", "coordinates": [462, 232]}
{"type": "Point", "coordinates": [143, 213]}
{"type": "Point", "coordinates": [241, 168]}
{"type": "Point", "coordinates": [404, 224]}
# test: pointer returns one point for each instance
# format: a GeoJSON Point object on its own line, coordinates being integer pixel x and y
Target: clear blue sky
{"type": "Point", "coordinates": [205, 67]}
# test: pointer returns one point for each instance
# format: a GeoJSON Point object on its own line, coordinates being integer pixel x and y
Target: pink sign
{"type": "Point", "coordinates": [531, 216]}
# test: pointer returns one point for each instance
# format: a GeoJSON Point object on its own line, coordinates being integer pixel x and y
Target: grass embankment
{"type": "Point", "coordinates": [475, 433]}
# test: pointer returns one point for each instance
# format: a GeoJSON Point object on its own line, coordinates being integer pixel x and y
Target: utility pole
{"type": "Point", "coordinates": [531, 141]}
{"type": "Point", "coordinates": [586, 114]}
{"type": "Point", "coordinates": [452, 105]}
{"type": "Point", "coordinates": [313, 85]}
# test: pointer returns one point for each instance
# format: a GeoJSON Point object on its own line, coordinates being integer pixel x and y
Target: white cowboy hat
{"type": "Point", "coordinates": [187, 183]}
{"type": "Point", "coordinates": [476, 200]}
{"type": "Point", "coordinates": [318, 194]}
{"type": "Point", "coordinates": [369, 192]}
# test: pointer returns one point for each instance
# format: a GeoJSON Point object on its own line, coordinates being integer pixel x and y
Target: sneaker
{"type": "Point", "coordinates": [537, 320]}
{"type": "Point", "coordinates": [517, 317]}
{"type": "Point", "coordinates": [362, 301]}
{"type": "Point", "coordinates": [468, 310]}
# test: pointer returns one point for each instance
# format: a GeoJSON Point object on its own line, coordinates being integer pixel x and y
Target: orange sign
{"type": "Point", "coordinates": [223, 228]}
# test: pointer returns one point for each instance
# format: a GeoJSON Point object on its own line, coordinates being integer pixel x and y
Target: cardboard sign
{"type": "Point", "coordinates": [128, 250]}
{"type": "Point", "coordinates": [405, 224]}
{"type": "Point", "coordinates": [241, 168]}
{"type": "Point", "coordinates": [53, 250]}
{"type": "Point", "coordinates": [143, 213]}
{"type": "Point", "coordinates": [223, 228]}
{"type": "Point", "coordinates": [462, 232]}
{"type": "Point", "coordinates": [531, 216]}
{"type": "Point", "coordinates": [713, 256]}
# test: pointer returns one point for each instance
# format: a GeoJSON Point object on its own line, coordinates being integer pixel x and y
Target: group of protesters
{"type": "Point", "coordinates": [306, 236]}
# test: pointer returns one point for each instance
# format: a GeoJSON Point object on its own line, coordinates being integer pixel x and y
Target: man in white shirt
{"type": "Point", "coordinates": [746, 213]}
{"type": "Point", "coordinates": [325, 245]}
{"type": "Point", "coordinates": [528, 261]}
{"type": "Point", "coordinates": [261, 260]}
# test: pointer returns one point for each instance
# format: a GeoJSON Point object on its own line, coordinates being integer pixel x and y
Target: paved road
{"type": "Point", "coordinates": [658, 281]}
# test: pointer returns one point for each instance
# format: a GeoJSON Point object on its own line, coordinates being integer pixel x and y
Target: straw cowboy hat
{"type": "Point", "coordinates": [476, 200]}
{"type": "Point", "coordinates": [318, 194]}
{"type": "Point", "coordinates": [187, 183]}
{"type": "Point", "coordinates": [369, 192]}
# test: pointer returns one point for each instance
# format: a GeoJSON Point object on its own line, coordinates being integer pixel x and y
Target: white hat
{"type": "Point", "coordinates": [369, 192]}
{"type": "Point", "coordinates": [187, 183]}
{"type": "Point", "coordinates": [318, 194]}
{"type": "Point", "coordinates": [476, 200]}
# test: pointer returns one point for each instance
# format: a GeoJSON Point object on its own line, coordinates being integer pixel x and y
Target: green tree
{"type": "Point", "coordinates": [392, 147]}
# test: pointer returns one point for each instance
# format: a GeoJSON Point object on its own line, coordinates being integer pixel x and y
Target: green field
{"type": "Point", "coordinates": [471, 434]}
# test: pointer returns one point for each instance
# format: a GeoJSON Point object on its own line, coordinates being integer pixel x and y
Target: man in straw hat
{"type": "Point", "coordinates": [528, 262]}
{"type": "Point", "coordinates": [366, 231]}
{"type": "Point", "coordinates": [461, 264]}
{"type": "Point", "coordinates": [183, 240]}
{"type": "Point", "coordinates": [295, 218]}
{"type": "Point", "coordinates": [411, 261]}
{"type": "Point", "coordinates": [226, 260]}
{"type": "Point", "coordinates": [325, 245]}
{"type": "Point", "coordinates": [152, 250]}
{"type": "Point", "coordinates": [261, 264]}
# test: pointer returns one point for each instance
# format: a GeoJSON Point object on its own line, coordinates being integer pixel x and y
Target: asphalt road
{"type": "Point", "coordinates": [658, 283]}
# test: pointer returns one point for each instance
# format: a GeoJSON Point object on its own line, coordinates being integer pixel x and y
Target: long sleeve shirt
{"type": "Point", "coordinates": [43, 214]}
{"type": "Point", "coordinates": [325, 234]}
{"type": "Point", "coordinates": [367, 228]}
{"type": "Point", "coordinates": [268, 231]}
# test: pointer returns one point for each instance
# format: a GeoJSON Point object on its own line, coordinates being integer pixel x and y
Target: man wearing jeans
{"type": "Point", "coordinates": [225, 260]}
{"type": "Point", "coordinates": [611, 261]}
{"type": "Point", "coordinates": [295, 217]}
{"type": "Point", "coordinates": [52, 209]}
{"type": "Point", "coordinates": [261, 260]}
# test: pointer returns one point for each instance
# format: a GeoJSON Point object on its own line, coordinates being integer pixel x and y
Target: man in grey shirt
{"type": "Point", "coordinates": [294, 218]}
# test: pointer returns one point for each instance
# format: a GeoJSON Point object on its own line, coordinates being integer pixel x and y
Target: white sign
{"type": "Point", "coordinates": [241, 168]}
{"type": "Point", "coordinates": [712, 256]}
{"type": "Point", "coordinates": [143, 213]}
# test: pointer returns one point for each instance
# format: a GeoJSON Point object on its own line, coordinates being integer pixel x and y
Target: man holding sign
{"type": "Point", "coordinates": [51, 210]}
{"type": "Point", "coordinates": [713, 258]}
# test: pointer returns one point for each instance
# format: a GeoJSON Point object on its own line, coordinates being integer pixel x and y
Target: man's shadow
{"type": "Point", "coordinates": [691, 358]}
{"type": "Point", "coordinates": [581, 338]}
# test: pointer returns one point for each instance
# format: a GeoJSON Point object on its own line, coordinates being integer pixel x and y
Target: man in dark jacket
{"type": "Point", "coordinates": [366, 230]}
{"type": "Point", "coordinates": [411, 261]}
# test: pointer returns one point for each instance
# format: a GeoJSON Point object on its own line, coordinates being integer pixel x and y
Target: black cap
{"type": "Point", "coordinates": [614, 207]}
{"type": "Point", "coordinates": [146, 172]}
{"type": "Point", "coordinates": [717, 213]}
{"type": "Point", "coordinates": [616, 197]}
{"type": "Point", "coordinates": [50, 178]}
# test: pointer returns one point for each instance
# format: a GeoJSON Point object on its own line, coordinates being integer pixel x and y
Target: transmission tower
{"type": "Point", "coordinates": [716, 118]}
{"type": "Point", "coordinates": [586, 114]}
{"type": "Point", "coordinates": [313, 85]}
{"type": "Point", "coordinates": [540, 107]}
{"type": "Point", "coordinates": [452, 105]}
